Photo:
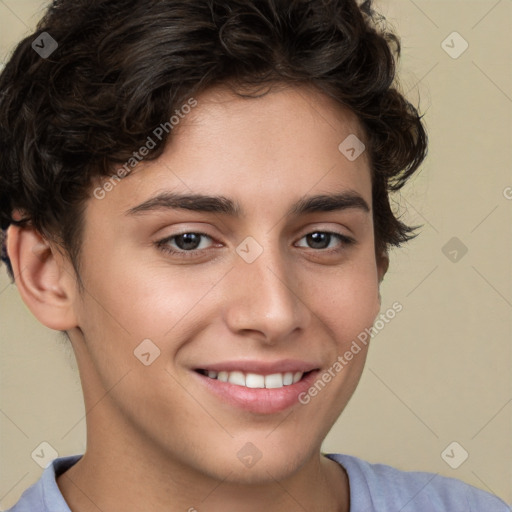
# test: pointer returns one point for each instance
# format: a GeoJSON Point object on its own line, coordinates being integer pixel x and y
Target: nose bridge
{"type": "Point", "coordinates": [265, 299]}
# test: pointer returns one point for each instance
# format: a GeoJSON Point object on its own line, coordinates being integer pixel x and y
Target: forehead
{"type": "Point", "coordinates": [259, 151]}
{"type": "Point", "coordinates": [288, 121]}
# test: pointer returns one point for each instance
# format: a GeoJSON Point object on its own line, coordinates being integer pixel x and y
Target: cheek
{"type": "Point", "coordinates": [146, 299]}
{"type": "Point", "coordinates": [131, 301]}
{"type": "Point", "coordinates": [346, 304]}
{"type": "Point", "coordinates": [345, 301]}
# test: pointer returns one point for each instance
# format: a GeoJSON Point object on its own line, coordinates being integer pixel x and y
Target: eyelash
{"type": "Point", "coordinates": [163, 244]}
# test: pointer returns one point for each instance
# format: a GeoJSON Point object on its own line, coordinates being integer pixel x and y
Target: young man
{"type": "Point", "coordinates": [197, 194]}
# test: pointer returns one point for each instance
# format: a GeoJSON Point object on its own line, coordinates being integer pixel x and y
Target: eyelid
{"type": "Point", "coordinates": [163, 244]}
{"type": "Point", "coordinates": [165, 240]}
{"type": "Point", "coordinates": [344, 239]}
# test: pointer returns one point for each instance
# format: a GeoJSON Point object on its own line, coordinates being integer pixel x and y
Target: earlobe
{"type": "Point", "coordinates": [45, 283]}
{"type": "Point", "coordinates": [382, 265]}
{"type": "Point", "coordinates": [382, 268]}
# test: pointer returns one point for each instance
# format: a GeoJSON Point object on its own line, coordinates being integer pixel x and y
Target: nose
{"type": "Point", "coordinates": [265, 299]}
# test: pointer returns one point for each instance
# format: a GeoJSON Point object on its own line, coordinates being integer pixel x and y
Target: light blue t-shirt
{"type": "Point", "coordinates": [373, 488]}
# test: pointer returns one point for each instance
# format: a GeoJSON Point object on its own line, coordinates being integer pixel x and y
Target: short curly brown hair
{"type": "Point", "coordinates": [122, 67]}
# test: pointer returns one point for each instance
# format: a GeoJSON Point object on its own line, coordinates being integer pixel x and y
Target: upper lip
{"type": "Point", "coordinates": [261, 367]}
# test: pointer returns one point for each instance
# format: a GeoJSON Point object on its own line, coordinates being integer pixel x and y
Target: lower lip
{"type": "Point", "coordinates": [259, 400]}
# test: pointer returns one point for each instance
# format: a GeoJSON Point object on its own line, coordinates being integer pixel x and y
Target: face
{"type": "Point", "coordinates": [261, 284]}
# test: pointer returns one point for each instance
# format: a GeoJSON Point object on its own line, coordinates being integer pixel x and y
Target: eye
{"type": "Point", "coordinates": [189, 244]}
{"type": "Point", "coordinates": [184, 244]}
{"type": "Point", "coordinates": [322, 240]}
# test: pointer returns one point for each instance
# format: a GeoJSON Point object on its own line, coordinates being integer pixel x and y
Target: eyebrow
{"type": "Point", "coordinates": [226, 206]}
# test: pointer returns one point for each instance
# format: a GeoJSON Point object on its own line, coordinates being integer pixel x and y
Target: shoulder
{"type": "Point", "coordinates": [376, 487]}
{"type": "Point", "coordinates": [44, 495]}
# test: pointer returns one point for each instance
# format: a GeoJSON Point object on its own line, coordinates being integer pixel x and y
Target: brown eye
{"type": "Point", "coordinates": [322, 240]}
{"type": "Point", "coordinates": [188, 241]}
{"type": "Point", "coordinates": [184, 244]}
{"type": "Point", "coordinates": [319, 240]}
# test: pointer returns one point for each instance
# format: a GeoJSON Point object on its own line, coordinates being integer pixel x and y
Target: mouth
{"type": "Point", "coordinates": [255, 380]}
{"type": "Point", "coordinates": [261, 390]}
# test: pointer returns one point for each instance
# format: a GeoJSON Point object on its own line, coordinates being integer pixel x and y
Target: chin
{"type": "Point", "coordinates": [249, 464]}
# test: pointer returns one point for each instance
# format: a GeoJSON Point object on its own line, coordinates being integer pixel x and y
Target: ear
{"type": "Point", "coordinates": [382, 268]}
{"type": "Point", "coordinates": [382, 265]}
{"type": "Point", "coordinates": [44, 277]}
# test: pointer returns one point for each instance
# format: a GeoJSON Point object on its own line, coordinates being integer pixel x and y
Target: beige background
{"type": "Point", "coordinates": [441, 370]}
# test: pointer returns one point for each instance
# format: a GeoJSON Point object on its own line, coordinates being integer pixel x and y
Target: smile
{"type": "Point", "coordinates": [255, 380]}
{"type": "Point", "coordinates": [256, 387]}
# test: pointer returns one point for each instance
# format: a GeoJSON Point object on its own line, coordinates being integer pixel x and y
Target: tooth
{"type": "Point", "coordinates": [297, 376]}
{"type": "Point", "coordinates": [254, 381]}
{"type": "Point", "coordinates": [237, 378]}
{"type": "Point", "coordinates": [288, 378]}
{"type": "Point", "coordinates": [223, 376]}
{"type": "Point", "coordinates": [274, 381]}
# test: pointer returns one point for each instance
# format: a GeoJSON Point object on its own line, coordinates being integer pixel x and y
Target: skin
{"type": "Point", "coordinates": [156, 438]}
